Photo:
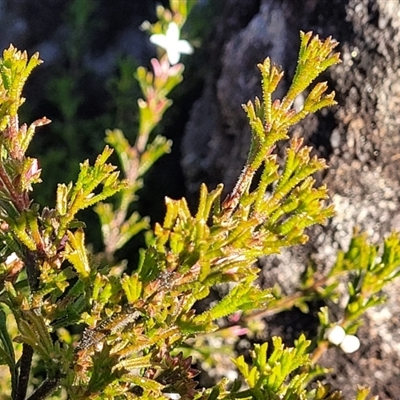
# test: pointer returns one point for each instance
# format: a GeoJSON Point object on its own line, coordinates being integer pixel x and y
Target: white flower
{"type": "Point", "coordinates": [350, 344]}
{"type": "Point", "coordinates": [337, 336]}
{"type": "Point", "coordinates": [172, 44]}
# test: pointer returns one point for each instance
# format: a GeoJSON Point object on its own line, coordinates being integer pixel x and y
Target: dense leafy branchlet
{"type": "Point", "coordinates": [135, 324]}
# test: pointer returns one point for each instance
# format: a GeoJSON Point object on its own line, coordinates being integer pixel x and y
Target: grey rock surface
{"type": "Point", "coordinates": [359, 138]}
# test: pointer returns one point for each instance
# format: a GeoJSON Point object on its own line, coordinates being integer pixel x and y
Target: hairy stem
{"type": "Point", "coordinates": [20, 201]}
{"type": "Point", "coordinates": [25, 369]}
{"type": "Point", "coordinates": [242, 186]}
{"type": "Point", "coordinates": [45, 389]}
{"type": "Point", "coordinates": [32, 271]}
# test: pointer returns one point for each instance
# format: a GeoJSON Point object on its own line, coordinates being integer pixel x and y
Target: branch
{"type": "Point", "coordinates": [45, 389]}
{"type": "Point", "coordinates": [25, 369]}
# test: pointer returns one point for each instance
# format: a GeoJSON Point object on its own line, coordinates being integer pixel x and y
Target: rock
{"type": "Point", "coordinates": [359, 138]}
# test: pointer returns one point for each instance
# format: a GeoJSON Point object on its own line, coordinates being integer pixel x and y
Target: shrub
{"type": "Point", "coordinates": [74, 324]}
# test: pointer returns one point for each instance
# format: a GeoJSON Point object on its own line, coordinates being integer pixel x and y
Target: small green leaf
{"type": "Point", "coordinates": [76, 253]}
{"type": "Point", "coordinates": [132, 287]}
{"type": "Point", "coordinates": [241, 298]}
{"type": "Point", "coordinates": [133, 363]}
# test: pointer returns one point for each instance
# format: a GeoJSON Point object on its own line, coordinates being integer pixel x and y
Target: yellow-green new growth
{"type": "Point", "coordinates": [270, 120]}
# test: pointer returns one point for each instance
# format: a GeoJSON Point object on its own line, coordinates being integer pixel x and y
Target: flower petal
{"type": "Point", "coordinates": [184, 47]}
{"type": "Point", "coordinates": [173, 32]}
{"type": "Point", "coordinates": [173, 55]}
{"type": "Point", "coordinates": [336, 335]}
{"type": "Point", "coordinates": [159, 40]}
{"type": "Point", "coordinates": [350, 344]}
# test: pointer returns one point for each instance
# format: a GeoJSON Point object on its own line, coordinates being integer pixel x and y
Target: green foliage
{"type": "Point", "coordinates": [283, 374]}
{"type": "Point", "coordinates": [366, 269]}
{"type": "Point", "coordinates": [136, 324]}
{"type": "Point", "coordinates": [372, 271]}
{"type": "Point", "coordinates": [268, 375]}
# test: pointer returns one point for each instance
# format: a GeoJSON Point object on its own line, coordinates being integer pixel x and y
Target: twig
{"type": "Point", "coordinates": [25, 369]}
{"type": "Point", "coordinates": [45, 389]}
